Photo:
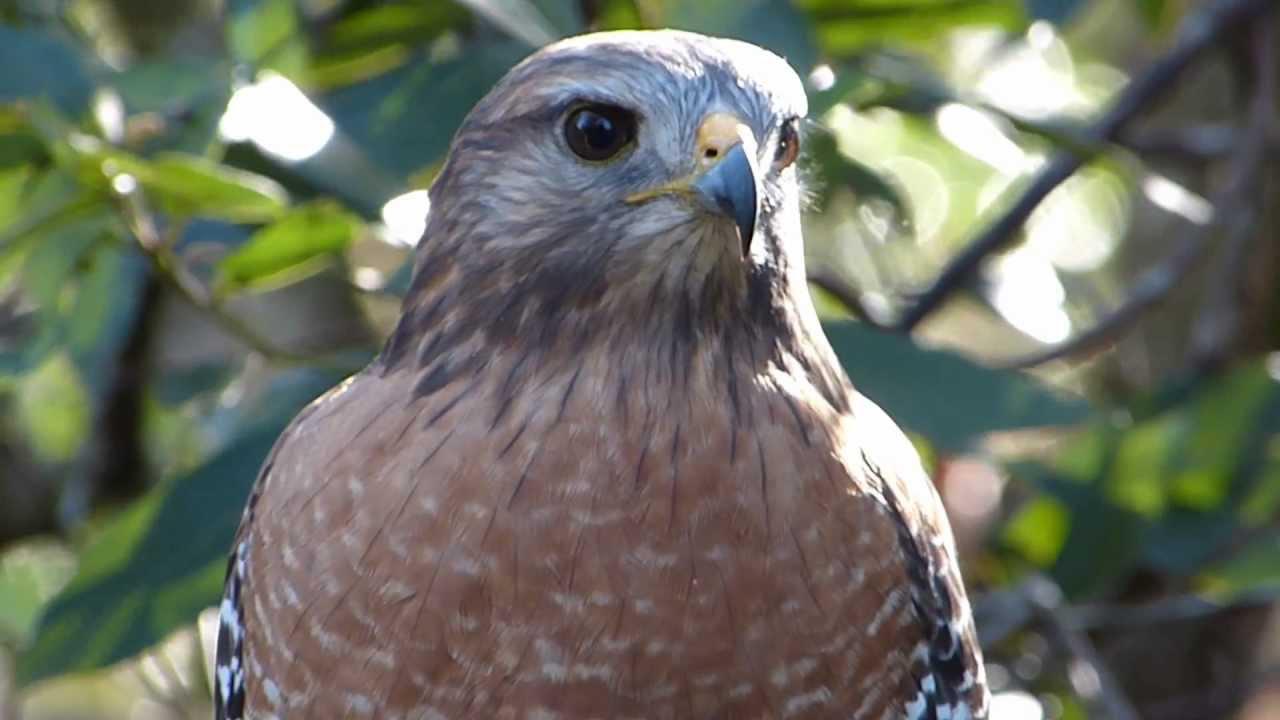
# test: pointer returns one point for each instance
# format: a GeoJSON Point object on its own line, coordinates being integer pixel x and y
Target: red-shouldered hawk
{"type": "Point", "coordinates": [607, 466]}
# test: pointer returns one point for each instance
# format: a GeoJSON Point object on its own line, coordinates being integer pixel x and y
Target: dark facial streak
{"type": "Point", "coordinates": [933, 603]}
{"type": "Point", "coordinates": [538, 272]}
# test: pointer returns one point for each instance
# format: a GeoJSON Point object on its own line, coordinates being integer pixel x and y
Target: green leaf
{"type": "Point", "coordinates": [172, 84]}
{"type": "Point", "coordinates": [773, 24]}
{"type": "Point", "coordinates": [29, 574]}
{"type": "Point", "coordinates": [520, 19]}
{"type": "Point", "coordinates": [1039, 530]}
{"type": "Point", "coordinates": [39, 65]}
{"type": "Point", "coordinates": [1262, 502]}
{"type": "Point", "coordinates": [300, 237]}
{"type": "Point", "coordinates": [160, 562]}
{"type": "Point", "coordinates": [1104, 542]}
{"type": "Point", "coordinates": [1222, 422]}
{"type": "Point", "coordinates": [53, 409]}
{"type": "Point", "coordinates": [838, 169]}
{"type": "Point", "coordinates": [1058, 12]}
{"type": "Point", "coordinates": [50, 266]}
{"type": "Point", "coordinates": [617, 15]}
{"type": "Point", "coordinates": [564, 15]}
{"type": "Point", "coordinates": [104, 313]}
{"type": "Point", "coordinates": [184, 185]}
{"type": "Point", "coordinates": [1085, 455]}
{"type": "Point", "coordinates": [845, 27]}
{"type": "Point", "coordinates": [263, 34]}
{"type": "Point", "coordinates": [179, 385]}
{"type": "Point", "coordinates": [375, 40]}
{"type": "Point", "coordinates": [945, 397]}
{"type": "Point", "coordinates": [187, 186]}
{"type": "Point", "coordinates": [49, 206]}
{"type": "Point", "coordinates": [13, 183]}
{"type": "Point", "coordinates": [852, 85]}
{"type": "Point", "coordinates": [1255, 567]}
{"type": "Point", "coordinates": [886, 78]}
{"type": "Point", "coordinates": [1158, 14]}
{"type": "Point", "coordinates": [19, 148]}
{"type": "Point", "coordinates": [1202, 453]}
{"type": "Point", "coordinates": [1137, 480]}
{"type": "Point", "coordinates": [188, 95]}
{"type": "Point", "coordinates": [386, 116]}
{"type": "Point", "coordinates": [1182, 541]}
{"type": "Point", "coordinates": [380, 26]}
{"type": "Point", "coordinates": [398, 284]}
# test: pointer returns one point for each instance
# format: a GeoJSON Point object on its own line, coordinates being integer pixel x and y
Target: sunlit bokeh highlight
{"type": "Point", "coordinates": [369, 279]}
{"type": "Point", "coordinates": [1169, 195]}
{"type": "Point", "coordinates": [822, 78]}
{"type": "Point", "coordinates": [1035, 78]}
{"type": "Point", "coordinates": [1015, 705]}
{"type": "Point", "coordinates": [1028, 294]}
{"type": "Point", "coordinates": [1079, 227]}
{"type": "Point", "coordinates": [405, 217]}
{"type": "Point", "coordinates": [977, 134]}
{"type": "Point", "coordinates": [990, 149]}
{"type": "Point", "coordinates": [275, 115]}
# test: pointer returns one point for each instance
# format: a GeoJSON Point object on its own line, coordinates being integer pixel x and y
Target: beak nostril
{"type": "Point", "coordinates": [711, 153]}
{"type": "Point", "coordinates": [726, 187]}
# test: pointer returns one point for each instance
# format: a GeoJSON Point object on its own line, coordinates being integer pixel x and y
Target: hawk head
{"type": "Point", "coordinates": [614, 186]}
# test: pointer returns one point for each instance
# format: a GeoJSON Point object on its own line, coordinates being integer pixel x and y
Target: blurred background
{"type": "Point", "coordinates": [1042, 234]}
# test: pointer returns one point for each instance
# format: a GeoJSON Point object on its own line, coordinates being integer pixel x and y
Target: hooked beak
{"type": "Point", "coordinates": [725, 182]}
{"type": "Point", "coordinates": [729, 188]}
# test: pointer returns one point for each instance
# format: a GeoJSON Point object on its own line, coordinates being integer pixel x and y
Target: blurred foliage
{"type": "Point", "coordinates": [206, 215]}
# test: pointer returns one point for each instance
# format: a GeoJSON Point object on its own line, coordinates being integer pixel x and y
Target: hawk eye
{"type": "Point", "coordinates": [788, 145]}
{"type": "Point", "coordinates": [599, 132]}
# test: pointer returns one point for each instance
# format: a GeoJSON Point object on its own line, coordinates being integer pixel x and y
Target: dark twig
{"type": "Point", "coordinates": [1194, 144]}
{"type": "Point", "coordinates": [1173, 609]}
{"type": "Point", "coordinates": [1001, 613]}
{"type": "Point", "coordinates": [1089, 675]}
{"type": "Point", "coordinates": [1221, 318]}
{"type": "Point", "coordinates": [1218, 701]}
{"type": "Point", "coordinates": [1233, 214]}
{"type": "Point", "coordinates": [1037, 601]}
{"type": "Point", "coordinates": [1149, 290]}
{"type": "Point", "coordinates": [176, 274]}
{"type": "Point", "coordinates": [117, 463]}
{"type": "Point", "coordinates": [1199, 31]}
{"type": "Point", "coordinates": [159, 249]}
{"type": "Point", "coordinates": [845, 294]}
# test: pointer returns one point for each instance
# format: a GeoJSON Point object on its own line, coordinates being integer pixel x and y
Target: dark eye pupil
{"type": "Point", "coordinates": [788, 146]}
{"type": "Point", "coordinates": [598, 132]}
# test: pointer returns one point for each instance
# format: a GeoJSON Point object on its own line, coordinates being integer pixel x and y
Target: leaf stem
{"type": "Point", "coordinates": [159, 249]}
{"type": "Point", "coordinates": [1201, 30]}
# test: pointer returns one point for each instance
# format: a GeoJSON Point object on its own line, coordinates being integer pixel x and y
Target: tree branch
{"type": "Point", "coordinates": [1200, 30]}
{"type": "Point", "coordinates": [845, 294]}
{"type": "Point", "coordinates": [1218, 701]}
{"type": "Point", "coordinates": [1233, 214]}
{"type": "Point", "coordinates": [1193, 144]}
{"type": "Point", "coordinates": [1149, 290]}
{"type": "Point", "coordinates": [1037, 601]}
{"type": "Point", "coordinates": [176, 274]}
{"type": "Point", "coordinates": [1173, 609]}
{"type": "Point", "coordinates": [1222, 318]}
{"type": "Point", "coordinates": [1089, 675]}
